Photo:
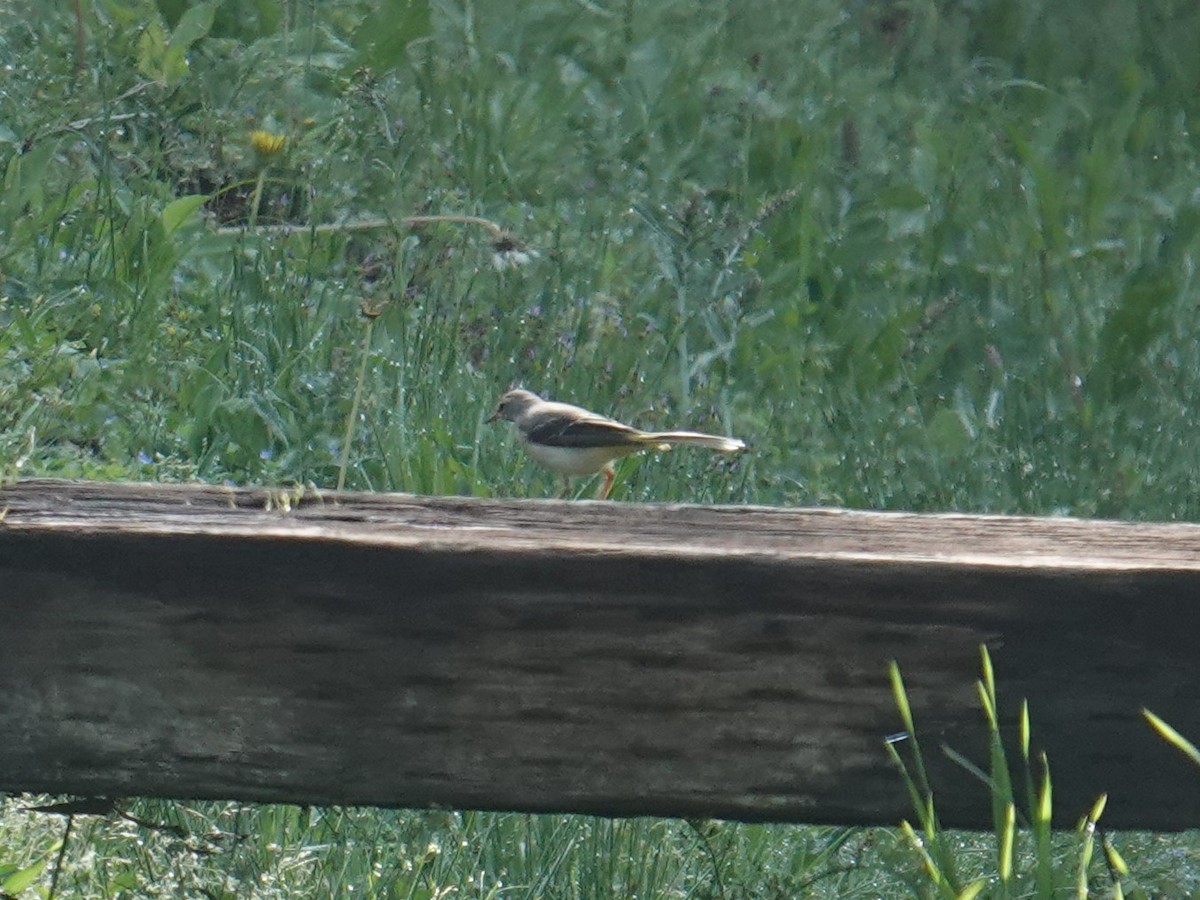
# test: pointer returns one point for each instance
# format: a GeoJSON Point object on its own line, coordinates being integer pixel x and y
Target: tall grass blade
{"type": "Point", "coordinates": [1042, 835]}
{"type": "Point", "coordinates": [932, 870]}
{"type": "Point", "coordinates": [1007, 836]}
{"type": "Point", "coordinates": [1173, 737]}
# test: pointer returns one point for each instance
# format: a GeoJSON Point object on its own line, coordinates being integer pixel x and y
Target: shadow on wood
{"type": "Point", "coordinates": [619, 659]}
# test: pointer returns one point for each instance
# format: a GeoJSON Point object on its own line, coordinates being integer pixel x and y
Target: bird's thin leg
{"type": "Point", "coordinates": [562, 495]}
{"type": "Point", "coordinates": [609, 475]}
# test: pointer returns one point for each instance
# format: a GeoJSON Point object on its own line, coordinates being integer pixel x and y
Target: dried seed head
{"type": "Point", "coordinates": [510, 253]}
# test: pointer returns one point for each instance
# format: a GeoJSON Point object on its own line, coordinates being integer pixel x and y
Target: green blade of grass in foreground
{"type": "Point", "coordinates": [1173, 737]}
{"type": "Point", "coordinates": [1087, 830]}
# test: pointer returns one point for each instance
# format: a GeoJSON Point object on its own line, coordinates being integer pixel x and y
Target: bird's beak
{"type": "Point", "coordinates": [493, 417]}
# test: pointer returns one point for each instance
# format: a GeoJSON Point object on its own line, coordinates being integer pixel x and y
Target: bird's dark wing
{"type": "Point", "coordinates": [563, 431]}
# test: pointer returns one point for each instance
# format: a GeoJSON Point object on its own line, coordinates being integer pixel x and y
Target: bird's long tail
{"type": "Point", "coordinates": [694, 438]}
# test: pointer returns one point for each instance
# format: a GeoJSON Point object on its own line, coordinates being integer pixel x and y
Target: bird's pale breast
{"type": "Point", "coordinates": [576, 460]}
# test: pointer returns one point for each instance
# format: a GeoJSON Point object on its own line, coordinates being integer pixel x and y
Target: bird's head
{"type": "Point", "coordinates": [513, 404]}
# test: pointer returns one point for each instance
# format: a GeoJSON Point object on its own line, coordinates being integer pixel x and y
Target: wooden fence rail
{"type": "Point", "coordinates": [613, 658]}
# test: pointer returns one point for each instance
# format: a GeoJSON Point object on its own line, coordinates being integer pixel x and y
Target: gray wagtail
{"type": "Point", "coordinates": [569, 440]}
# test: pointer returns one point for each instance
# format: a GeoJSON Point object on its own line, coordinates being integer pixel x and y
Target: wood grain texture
{"type": "Point", "coordinates": [612, 658]}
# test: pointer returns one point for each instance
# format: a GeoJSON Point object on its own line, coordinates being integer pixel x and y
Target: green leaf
{"type": "Point", "coordinates": [180, 211]}
{"type": "Point", "coordinates": [195, 24]}
{"type": "Point", "coordinates": [948, 433]}
{"type": "Point", "coordinates": [22, 879]}
{"type": "Point", "coordinates": [152, 50]}
{"type": "Point", "coordinates": [383, 37]}
{"type": "Point", "coordinates": [25, 180]}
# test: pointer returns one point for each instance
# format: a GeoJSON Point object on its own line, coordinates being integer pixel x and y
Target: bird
{"type": "Point", "coordinates": [570, 440]}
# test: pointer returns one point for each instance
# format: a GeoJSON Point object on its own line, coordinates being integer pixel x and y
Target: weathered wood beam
{"type": "Point", "coordinates": [206, 642]}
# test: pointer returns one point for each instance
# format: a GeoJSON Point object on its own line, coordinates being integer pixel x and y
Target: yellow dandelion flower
{"type": "Point", "coordinates": [267, 143]}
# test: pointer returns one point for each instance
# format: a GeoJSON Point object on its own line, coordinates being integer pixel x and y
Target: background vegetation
{"type": "Point", "coordinates": [921, 255]}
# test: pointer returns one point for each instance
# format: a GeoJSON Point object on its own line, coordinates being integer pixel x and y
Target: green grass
{"type": "Point", "coordinates": [274, 851]}
{"type": "Point", "coordinates": [922, 256]}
